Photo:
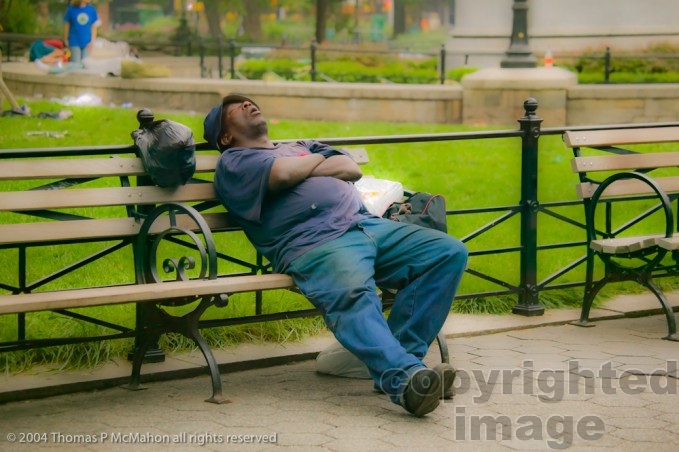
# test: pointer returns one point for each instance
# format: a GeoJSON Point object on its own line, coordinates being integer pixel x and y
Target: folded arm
{"type": "Point", "coordinates": [287, 172]}
{"type": "Point", "coordinates": [339, 166]}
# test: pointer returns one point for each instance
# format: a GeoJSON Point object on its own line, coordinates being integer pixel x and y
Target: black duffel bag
{"type": "Point", "coordinates": [420, 208]}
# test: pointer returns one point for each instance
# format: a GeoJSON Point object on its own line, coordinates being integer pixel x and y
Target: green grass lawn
{"type": "Point", "coordinates": [469, 173]}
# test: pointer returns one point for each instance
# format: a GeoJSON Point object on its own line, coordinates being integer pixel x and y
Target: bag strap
{"type": "Point", "coordinates": [426, 206]}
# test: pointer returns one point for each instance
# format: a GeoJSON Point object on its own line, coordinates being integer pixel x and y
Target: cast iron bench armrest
{"type": "Point", "coordinates": [652, 185]}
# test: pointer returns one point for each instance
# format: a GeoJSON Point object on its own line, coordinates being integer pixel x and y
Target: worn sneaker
{"type": "Point", "coordinates": [421, 396]}
{"type": "Point", "coordinates": [447, 373]}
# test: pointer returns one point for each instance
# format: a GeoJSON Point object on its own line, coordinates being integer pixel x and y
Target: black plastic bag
{"type": "Point", "coordinates": [168, 151]}
{"type": "Point", "coordinates": [423, 209]}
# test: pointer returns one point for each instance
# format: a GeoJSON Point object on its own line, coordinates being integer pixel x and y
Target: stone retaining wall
{"type": "Point", "coordinates": [487, 98]}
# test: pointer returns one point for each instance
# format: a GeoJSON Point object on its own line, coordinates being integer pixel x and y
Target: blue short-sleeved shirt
{"type": "Point", "coordinates": [284, 225]}
{"type": "Point", "coordinates": [81, 20]}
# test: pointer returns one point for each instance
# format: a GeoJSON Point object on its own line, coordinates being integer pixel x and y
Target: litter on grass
{"type": "Point", "coordinates": [85, 99]}
{"type": "Point", "coordinates": [46, 133]}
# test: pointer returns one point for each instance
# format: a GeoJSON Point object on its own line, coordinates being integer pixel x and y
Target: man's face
{"type": "Point", "coordinates": [243, 119]}
{"type": "Point", "coordinates": [242, 114]}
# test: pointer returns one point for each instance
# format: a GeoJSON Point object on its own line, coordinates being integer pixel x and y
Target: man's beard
{"type": "Point", "coordinates": [258, 129]}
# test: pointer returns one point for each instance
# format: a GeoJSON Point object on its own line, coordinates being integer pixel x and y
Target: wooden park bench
{"type": "Point", "coordinates": [628, 195]}
{"type": "Point", "coordinates": [172, 240]}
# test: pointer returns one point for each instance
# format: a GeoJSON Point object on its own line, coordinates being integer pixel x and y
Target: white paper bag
{"type": "Point", "coordinates": [378, 194]}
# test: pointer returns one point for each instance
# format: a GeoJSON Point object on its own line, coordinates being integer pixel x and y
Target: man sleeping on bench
{"type": "Point", "coordinates": [298, 206]}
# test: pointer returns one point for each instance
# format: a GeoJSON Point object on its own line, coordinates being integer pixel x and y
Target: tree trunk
{"type": "Point", "coordinates": [416, 14]}
{"type": "Point", "coordinates": [399, 17]}
{"type": "Point", "coordinates": [212, 13]}
{"type": "Point", "coordinates": [321, 19]}
{"type": "Point", "coordinates": [43, 12]}
{"type": "Point", "coordinates": [2, 15]}
{"type": "Point", "coordinates": [251, 23]}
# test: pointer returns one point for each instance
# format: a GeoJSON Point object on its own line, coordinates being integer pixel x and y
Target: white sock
{"type": "Point", "coordinates": [41, 65]}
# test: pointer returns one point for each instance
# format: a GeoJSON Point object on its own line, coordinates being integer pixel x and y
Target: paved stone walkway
{"type": "Point", "coordinates": [551, 387]}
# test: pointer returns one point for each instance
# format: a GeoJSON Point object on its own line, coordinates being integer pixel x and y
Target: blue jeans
{"type": "Point", "coordinates": [341, 277]}
{"type": "Point", "coordinates": [77, 54]}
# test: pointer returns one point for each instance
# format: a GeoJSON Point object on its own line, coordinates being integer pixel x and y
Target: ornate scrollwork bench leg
{"type": "Point", "coordinates": [160, 321]}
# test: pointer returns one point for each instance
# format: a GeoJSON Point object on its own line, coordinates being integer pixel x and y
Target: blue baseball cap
{"type": "Point", "coordinates": [212, 125]}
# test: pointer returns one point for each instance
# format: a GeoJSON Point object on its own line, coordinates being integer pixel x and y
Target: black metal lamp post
{"type": "Point", "coordinates": [518, 53]}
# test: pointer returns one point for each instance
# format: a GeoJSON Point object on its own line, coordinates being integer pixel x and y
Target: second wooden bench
{"type": "Point", "coordinates": [628, 192]}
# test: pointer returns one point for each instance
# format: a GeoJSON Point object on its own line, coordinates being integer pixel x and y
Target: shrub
{"type": "Point", "coordinates": [459, 72]}
{"type": "Point", "coordinates": [344, 69]}
{"type": "Point", "coordinates": [20, 18]}
{"type": "Point", "coordinates": [256, 69]}
{"type": "Point", "coordinates": [657, 63]}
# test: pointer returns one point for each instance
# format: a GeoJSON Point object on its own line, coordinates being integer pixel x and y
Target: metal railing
{"type": "Point", "coordinates": [608, 60]}
{"type": "Point", "coordinates": [230, 51]}
{"type": "Point", "coordinates": [14, 44]}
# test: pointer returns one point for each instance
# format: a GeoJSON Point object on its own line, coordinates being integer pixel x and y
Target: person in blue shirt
{"type": "Point", "coordinates": [80, 28]}
{"type": "Point", "coordinates": [298, 206]}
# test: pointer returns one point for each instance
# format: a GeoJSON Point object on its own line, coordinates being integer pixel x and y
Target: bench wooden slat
{"type": "Point", "coordinates": [78, 298]}
{"type": "Point", "coordinates": [621, 136]}
{"type": "Point", "coordinates": [585, 190]}
{"type": "Point", "coordinates": [624, 162]}
{"type": "Point", "coordinates": [86, 168]}
{"type": "Point", "coordinates": [670, 244]}
{"type": "Point", "coordinates": [100, 229]}
{"type": "Point", "coordinates": [102, 197]}
{"type": "Point", "coordinates": [360, 155]}
{"type": "Point", "coordinates": [624, 245]}
{"type": "Point", "coordinates": [107, 167]}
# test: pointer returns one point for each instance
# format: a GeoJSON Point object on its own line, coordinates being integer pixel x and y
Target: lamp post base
{"type": "Point", "coordinates": [514, 61]}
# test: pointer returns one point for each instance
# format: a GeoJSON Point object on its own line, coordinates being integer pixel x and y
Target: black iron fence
{"type": "Point", "coordinates": [607, 62]}
{"type": "Point", "coordinates": [528, 208]}
{"type": "Point", "coordinates": [231, 50]}
{"type": "Point", "coordinates": [519, 246]}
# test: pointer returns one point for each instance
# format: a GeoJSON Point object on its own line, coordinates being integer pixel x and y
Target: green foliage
{"type": "Point", "coordinates": [459, 72]}
{"type": "Point", "coordinates": [421, 41]}
{"type": "Point", "coordinates": [396, 74]}
{"type": "Point", "coordinates": [285, 31]}
{"type": "Point", "coordinates": [20, 17]}
{"type": "Point", "coordinates": [362, 69]}
{"type": "Point", "coordinates": [501, 305]}
{"type": "Point", "coordinates": [156, 31]}
{"type": "Point", "coordinates": [628, 77]}
{"type": "Point", "coordinates": [350, 71]}
{"type": "Point", "coordinates": [257, 69]}
{"type": "Point", "coordinates": [393, 71]}
{"type": "Point", "coordinates": [657, 63]}
{"type": "Point", "coordinates": [487, 305]}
